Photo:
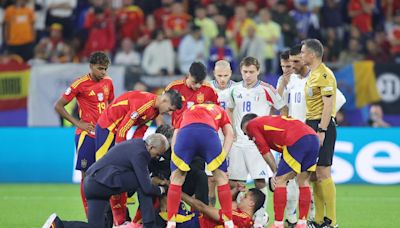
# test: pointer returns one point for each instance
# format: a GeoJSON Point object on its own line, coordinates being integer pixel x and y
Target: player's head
{"type": "Point", "coordinates": [250, 69]}
{"type": "Point", "coordinates": [197, 74]}
{"type": "Point", "coordinates": [245, 120]}
{"type": "Point", "coordinates": [253, 199]}
{"type": "Point", "coordinates": [166, 130]}
{"type": "Point", "coordinates": [295, 59]}
{"type": "Point", "coordinates": [222, 72]}
{"type": "Point", "coordinates": [311, 50]}
{"type": "Point", "coordinates": [99, 63]}
{"type": "Point", "coordinates": [286, 66]}
{"type": "Point", "coordinates": [169, 101]}
{"type": "Point", "coordinates": [156, 144]}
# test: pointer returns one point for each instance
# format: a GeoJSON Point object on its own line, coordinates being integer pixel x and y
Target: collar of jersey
{"type": "Point", "coordinates": [255, 85]}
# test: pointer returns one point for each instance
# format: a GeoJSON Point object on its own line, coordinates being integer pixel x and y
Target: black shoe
{"type": "Point", "coordinates": [288, 224]}
{"type": "Point", "coordinates": [312, 224]}
{"type": "Point", "coordinates": [328, 224]}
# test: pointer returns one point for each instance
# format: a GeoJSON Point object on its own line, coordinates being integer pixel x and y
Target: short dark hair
{"type": "Point", "coordinates": [175, 97]}
{"type": "Point", "coordinates": [295, 50]}
{"type": "Point", "coordinates": [248, 61]}
{"type": "Point", "coordinates": [198, 71]}
{"type": "Point", "coordinates": [315, 46]}
{"type": "Point", "coordinates": [99, 57]}
{"type": "Point", "coordinates": [284, 55]}
{"type": "Point", "coordinates": [246, 118]}
{"type": "Point", "coordinates": [258, 198]}
{"type": "Point", "coordinates": [166, 130]}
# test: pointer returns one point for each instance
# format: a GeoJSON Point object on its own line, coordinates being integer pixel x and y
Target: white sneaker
{"type": "Point", "coordinates": [49, 220]}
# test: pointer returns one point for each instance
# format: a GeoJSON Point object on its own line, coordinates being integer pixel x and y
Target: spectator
{"type": "Point", "coordinates": [127, 55]}
{"type": "Point", "coordinates": [176, 24]}
{"type": "Point", "coordinates": [130, 21]}
{"type": "Point", "coordinates": [208, 26]}
{"type": "Point", "coordinates": [253, 46]}
{"type": "Point", "coordinates": [238, 26]}
{"type": "Point", "coordinates": [376, 117]}
{"type": "Point", "coordinates": [19, 29]}
{"type": "Point", "coordinates": [390, 7]}
{"type": "Point", "coordinates": [381, 38]}
{"type": "Point", "coordinates": [60, 11]}
{"type": "Point", "coordinates": [374, 53]}
{"type": "Point", "coordinates": [360, 12]}
{"type": "Point", "coordinates": [270, 32]}
{"type": "Point", "coordinates": [313, 6]}
{"type": "Point", "coordinates": [148, 30]}
{"type": "Point", "coordinates": [159, 55]}
{"type": "Point", "coordinates": [220, 21]}
{"type": "Point", "coordinates": [191, 49]}
{"type": "Point", "coordinates": [280, 15]}
{"type": "Point", "coordinates": [101, 32]}
{"type": "Point", "coordinates": [352, 54]}
{"type": "Point", "coordinates": [333, 46]}
{"type": "Point", "coordinates": [306, 22]}
{"type": "Point", "coordinates": [252, 9]}
{"type": "Point", "coordinates": [220, 51]}
{"type": "Point", "coordinates": [331, 16]}
{"type": "Point", "coordinates": [394, 38]}
{"type": "Point", "coordinates": [54, 48]}
{"type": "Point", "coordinates": [160, 14]}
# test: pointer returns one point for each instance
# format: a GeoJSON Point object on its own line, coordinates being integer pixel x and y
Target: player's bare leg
{"type": "Point", "coordinates": [174, 195]}
{"type": "Point", "coordinates": [280, 197]}
{"type": "Point", "coordinates": [224, 196]}
{"type": "Point", "coordinates": [211, 191]}
{"type": "Point", "coordinates": [303, 179]}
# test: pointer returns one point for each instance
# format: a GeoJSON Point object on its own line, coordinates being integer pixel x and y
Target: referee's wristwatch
{"type": "Point", "coordinates": [321, 130]}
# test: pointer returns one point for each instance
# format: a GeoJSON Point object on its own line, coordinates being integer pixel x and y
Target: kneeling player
{"type": "Point", "coordinates": [299, 146]}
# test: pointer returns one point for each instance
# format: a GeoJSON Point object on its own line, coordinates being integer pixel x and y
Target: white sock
{"type": "Point", "coordinates": [301, 221]}
{"type": "Point", "coordinates": [229, 224]}
{"type": "Point", "coordinates": [278, 223]}
{"type": "Point", "coordinates": [292, 201]}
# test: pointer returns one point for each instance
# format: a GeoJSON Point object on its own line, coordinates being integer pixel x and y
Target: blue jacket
{"type": "Point", "coordinates": [129, 159]}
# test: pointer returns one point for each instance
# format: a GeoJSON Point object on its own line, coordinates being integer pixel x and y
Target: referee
{"type": "Point", "coordinates": [320, 94]}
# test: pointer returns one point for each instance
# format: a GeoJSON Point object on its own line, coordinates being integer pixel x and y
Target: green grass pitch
{"type": "Point", "coordinates": [29, 205]}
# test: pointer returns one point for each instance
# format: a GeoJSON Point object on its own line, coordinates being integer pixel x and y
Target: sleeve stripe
{"type": "Point", "coordinates": [127, 126]}
{"type": "Point", "coordinates": [79, 81]}
{"type": "Point", "coordinates": [146, 106]}
{"type": "Point", "coordinates": [174, 83]}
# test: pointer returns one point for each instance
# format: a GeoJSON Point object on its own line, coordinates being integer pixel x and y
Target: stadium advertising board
{"type": "Point", "coordinates": [363, 155]}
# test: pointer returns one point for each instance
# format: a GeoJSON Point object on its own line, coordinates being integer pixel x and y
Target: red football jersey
{"type": "Point", "coordinates": [210, 114]}
{"type": "Point", "coordinates": [92, 96]}
{"type": "Point", "coordinates": [133, 108]}
{"type": "Point", "coordinates": [362, 21]}
{"type": "Point", "coordinates": [190, 97]}
{"type": "Point", "coordinates": [273, 132]}
{"type": "Point", "coordinates": [131, 20]}
{"type": "Point", "coordinates": [239, 218]}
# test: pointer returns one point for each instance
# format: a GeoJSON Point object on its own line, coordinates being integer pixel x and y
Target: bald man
{"type": "Point", "coordinates": [221, 84]}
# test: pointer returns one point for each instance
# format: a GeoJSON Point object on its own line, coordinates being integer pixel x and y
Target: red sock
{"type": "Point", "coordinates": [118, 208]}
{"type": "Point", "coordinates": [279, 203]}
{"type": "Point", "coordinates": [225, 200]}
{"type": "Point", "coordinates": [84, 201]}
{"type": "Point", "coordinates": [173, 200]}
{"type": "Point", "coordinates": [304, 202]}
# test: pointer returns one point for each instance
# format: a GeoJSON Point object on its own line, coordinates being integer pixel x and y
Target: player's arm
{"type": "Point", "coordinates": [60, 109]}
{"type": "Point", "coordinates": [227, 130]}
{"type": "Point", "coordinates": [262, 146]}
{"type": "Point", "coordinates": [211, 212]}
{"type": "Point", "coordinates": [173, 140]}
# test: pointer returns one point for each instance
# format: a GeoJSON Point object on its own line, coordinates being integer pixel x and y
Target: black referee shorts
{"type": "Point", "coordinates": [328, 147]}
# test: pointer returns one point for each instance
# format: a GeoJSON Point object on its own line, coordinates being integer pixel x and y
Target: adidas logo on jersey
{"type": "Point", "coordinates": [262, 173]}
{"type": "Point", "coordinates": [92, 93]}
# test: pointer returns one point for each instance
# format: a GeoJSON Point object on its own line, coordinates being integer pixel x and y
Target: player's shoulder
{"type": "Point", "coordinates": [80, 80]}
{"type": "Point", "coordinates": [175, 84]}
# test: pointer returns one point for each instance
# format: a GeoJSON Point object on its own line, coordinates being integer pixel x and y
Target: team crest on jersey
{"type": "Point", "coordinates": [134, 115]}
{"type": "Point", "coordinates": [68, 91]}
{"type": "Point", "coordinates": [200, 98]}
{"type": "Point", "coordinates": [100, 96]}
{"type": "Point", "coordinates": [106, 90]}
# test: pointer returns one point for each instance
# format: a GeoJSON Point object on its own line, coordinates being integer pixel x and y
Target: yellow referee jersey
{"type": "Point", "coordinates": [321, 82]}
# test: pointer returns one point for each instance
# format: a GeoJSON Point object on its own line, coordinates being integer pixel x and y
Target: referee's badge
{"type": "Point", "coordinates": [100, 96]}
{"type": "Point", "coordinates": [310, 92]}
{"type": "Point", "coordinates": [134, 115]}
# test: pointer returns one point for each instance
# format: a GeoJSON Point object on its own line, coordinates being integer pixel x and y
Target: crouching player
{"type": "Point", "coordinates": [299, 146]}
{"type": "Point", "coordinates": [198, 135]}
